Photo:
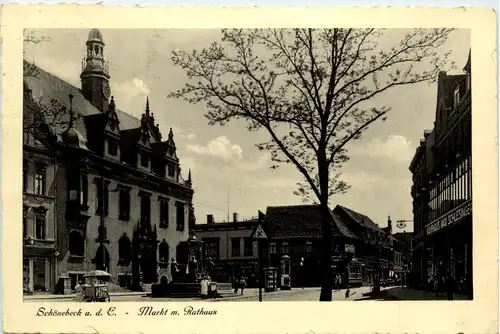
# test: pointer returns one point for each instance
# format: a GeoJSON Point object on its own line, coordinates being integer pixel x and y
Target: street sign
{"type": "Point", "coordinates": [259, 233]}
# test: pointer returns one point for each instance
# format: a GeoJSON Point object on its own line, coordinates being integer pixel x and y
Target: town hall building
{"type": "Point", "coordinates": [103, 190]}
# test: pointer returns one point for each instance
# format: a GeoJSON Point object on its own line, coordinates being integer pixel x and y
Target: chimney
{"type": "Point", "coordinates": [235, 217]}
{"type": "Point", "coordinates": [210, 219]}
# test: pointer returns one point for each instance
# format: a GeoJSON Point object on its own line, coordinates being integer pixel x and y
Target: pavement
{"type": "Point", "coordinates": [399, 293]}
{"type": "Point", "coordinates": [296, 294]}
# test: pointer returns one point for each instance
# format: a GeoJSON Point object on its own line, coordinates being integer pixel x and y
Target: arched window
{"type": "Point", "coordinates": [101, 259]}
{"type": "Point", "coordinates": [124, 250]}
{"type": "Point", "coordinates": [163, 250]}
{"type": "Point", "coordinates": [76, 243]}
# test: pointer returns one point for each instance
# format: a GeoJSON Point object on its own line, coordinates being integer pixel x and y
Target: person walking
{"type": "Point", "coordinates": [450, 287]}
{"type": "Point", "coordinates": [236, 284]}
{"type": "Point", "coordinates": [79, 291]}
{"type": "Point", "coordinates": [243, 284]}
{"type": "Point", "coordinates": [204, 288]}
{"type": "Point", "coordinates": [436, 280]}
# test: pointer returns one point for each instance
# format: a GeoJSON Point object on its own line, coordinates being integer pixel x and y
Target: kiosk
{"type": "Point", "coordinates": [286, 283]}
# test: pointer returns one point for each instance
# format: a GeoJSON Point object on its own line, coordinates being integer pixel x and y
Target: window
{"type": "Point", "coordinates": [163, 212]}
{"type": "Point", "coordinates": [284, 247]}
{"type": "Point", "coordinates": [180, 215]}
{"type": "Point", "coordinates": [248, 247]}
{"type": "Point", "coordinates": [163, 251]}
{"type": "Point", "coordinates": [272, 247]}
{"type": "Point", "coordinates": [75, 278]}
{"type": "Point", "coordinates": [211, 248]}
{"type": "Point", "coordinates": [76, 243]}
{"type": "Point", "coordinates": [235, 247]}
{"type": "Point", "coordinates": [145, 207]}
{"type": "Point", "coordinates": [102, 197]}
{"type": "Point", "coordinates": [25, 178]}
{"type": "Point", "coordinates": [25, 226]}
{"type": "Point", "coordinates": [124, 213]}
{"type": "Point", "coordinates": [467, 82]}
{"type": "Point", "coordinates": [171, 170]}
{"type": "Point", "coordinates": [124, 250]}
{"type": "Point", "coordinates": [83, 190]}
{"type": "Point", "coordinates": [309, 246]}
{"type": "Point", "coordinates": [112, 147]}
{"type": "Point", "coordinates": [26, 137]}
{"type": "Point", "coordinates": [40, 226]}
{"type": "Point", "coordinates": [456, 97]}
{"type": "Point", "coordinates": [144, 159]}
{"type": "Point", "coordinates": [40, 181]}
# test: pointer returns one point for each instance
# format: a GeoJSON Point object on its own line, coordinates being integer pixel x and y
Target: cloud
{"type": "Point", "coordinates": [220, 147]}
{"type": "Point", "coordinates": [131, 89]}
{"type": "Point", "coordinates": [191, 136]}
{"type": "Point", "coordinates": [395, 147]}
{"type": "Point", "coordinates": [264, 161]}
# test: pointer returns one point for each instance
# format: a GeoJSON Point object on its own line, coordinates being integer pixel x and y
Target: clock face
{"type": "Point", "coordinates": [106, 91]}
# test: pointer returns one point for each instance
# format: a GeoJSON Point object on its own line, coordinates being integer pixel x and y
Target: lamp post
{"type": "Point", "coordinates": [302, 271]}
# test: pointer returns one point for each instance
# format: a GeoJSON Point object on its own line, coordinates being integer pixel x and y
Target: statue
{"type": "Point", "coordinates": [174, 268]}
{"type": "Point", "coordinates": [193, 268]}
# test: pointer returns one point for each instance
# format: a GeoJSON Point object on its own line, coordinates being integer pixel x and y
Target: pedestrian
{"type": "Point", "coordinates": [450, 287]}
{"type": "Point", "coordinates": [236, 284]}
{"type": "Point", "coordinates": [347, 293]}
{"type": "Point", "coordinates": [243, 285]}
{"type": "Point", "coordinates": [436, 285]}
{"type": "Point", "coordinates": [79, 291]}
{"type": "Point", "coordinates": [204, 288]}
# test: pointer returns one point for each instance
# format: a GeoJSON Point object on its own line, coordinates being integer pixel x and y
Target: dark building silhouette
{"type": "Point", "coordinates": [442, 187]}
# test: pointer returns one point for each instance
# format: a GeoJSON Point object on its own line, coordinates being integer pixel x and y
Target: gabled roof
{"type": "Point", "coordinates": [360, 218]}
{"type": "Point", "coordinates": [301, 221]}
{"type": "Point", "coordinates": [46, 86]}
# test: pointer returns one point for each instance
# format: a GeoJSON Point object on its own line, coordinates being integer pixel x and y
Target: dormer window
{"type": "Point", "coordinates": [456, 97]}
{"type": "Point", "coordinates": [171, 170]}
{"type": "Point", "coordinates": [144, 159]}
{"type": "Point", "coordinates": [112, 147]}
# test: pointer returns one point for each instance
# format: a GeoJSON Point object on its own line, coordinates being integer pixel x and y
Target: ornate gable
{"type": "Point", "coordinates": [144, 140]}
{"type": "Point", "coordinates": [170, 148]}
{"type": "Point", "coordinates": [112, 121]}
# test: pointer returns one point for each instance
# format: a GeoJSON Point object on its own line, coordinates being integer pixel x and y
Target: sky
{"type": "Point", "coordinates": [229, 174]}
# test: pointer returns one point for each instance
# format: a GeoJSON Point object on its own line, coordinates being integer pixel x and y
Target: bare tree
{"type": "Point", "coordinates": [310, 90]}
{"type": "Point", "coordinates": [30, 37]}
{"type": "Point", "coordinates": [41, 119]}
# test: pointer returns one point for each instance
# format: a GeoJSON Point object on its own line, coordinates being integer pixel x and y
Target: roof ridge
{"type": "Point", "coordinates": [117, 110]}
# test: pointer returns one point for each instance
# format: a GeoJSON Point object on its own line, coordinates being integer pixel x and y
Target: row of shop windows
{"type": "Point", "coordinates": [212, 247]}
{"type": "Point", "coordinates": [454, 189]}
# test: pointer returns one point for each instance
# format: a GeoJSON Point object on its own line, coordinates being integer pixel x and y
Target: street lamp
{"type": "Point", "coordinates": [302, 271]}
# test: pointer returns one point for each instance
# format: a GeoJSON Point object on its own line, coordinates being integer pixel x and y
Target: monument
{"type": "Point", "coordinates": [186, 271]}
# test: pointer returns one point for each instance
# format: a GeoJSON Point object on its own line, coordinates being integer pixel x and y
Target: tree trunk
{"type": "Point", "coordinates": [326, 217]}
{"type": "Point", "coordinates": [326, 259]}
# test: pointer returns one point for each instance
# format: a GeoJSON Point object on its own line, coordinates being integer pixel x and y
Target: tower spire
{"type": "Point", "coordinates": [189, 175]}
{"type": "Point", "coordinates": [147, 106]}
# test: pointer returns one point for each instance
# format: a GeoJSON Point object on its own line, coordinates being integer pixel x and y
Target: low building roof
{"type": "Point", "coordinates": [301, 221]}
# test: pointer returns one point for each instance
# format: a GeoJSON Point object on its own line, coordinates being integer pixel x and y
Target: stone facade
{"type": "Point", "coordinates": [115, 197]}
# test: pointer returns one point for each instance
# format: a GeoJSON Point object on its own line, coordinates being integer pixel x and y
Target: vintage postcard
{"type": "Point", "coordinates": [259, 170]}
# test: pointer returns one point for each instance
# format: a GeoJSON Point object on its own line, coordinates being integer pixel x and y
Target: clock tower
{"type": "Point", "coordinates": [95, 76]}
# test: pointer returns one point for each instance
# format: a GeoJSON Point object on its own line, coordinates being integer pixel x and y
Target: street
{"type": "Point", "coordinates": [296, 294]}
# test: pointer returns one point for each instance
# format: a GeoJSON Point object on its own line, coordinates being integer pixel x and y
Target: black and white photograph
{"type": "Point", "coordinates": [214, 165]}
